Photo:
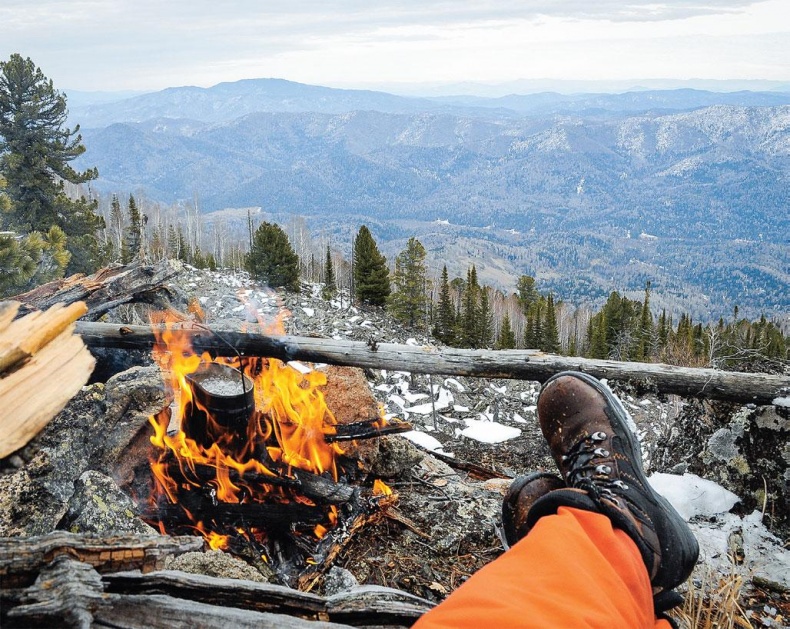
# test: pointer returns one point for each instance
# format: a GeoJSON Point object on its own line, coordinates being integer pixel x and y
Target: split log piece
{"type": "Point", "coordinates": [51, 366]}
{"type": "Point", "coordinates": [514, 364]}
{"type": "Point", "coordinates": [21, 559]}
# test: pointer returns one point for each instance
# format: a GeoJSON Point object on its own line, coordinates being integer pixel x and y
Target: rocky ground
{"type": "Point", "coordinates": [449, 517]}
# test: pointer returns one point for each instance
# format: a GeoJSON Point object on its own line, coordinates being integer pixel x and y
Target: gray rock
{"type": "Point", "coordinates": [214, 563]}
{"type": "Point", "coordinates": [99, 506]}
{"type": "Point", "coordinates": [339, 580]}
{"type": "Point", "coordinates": [395, 456]}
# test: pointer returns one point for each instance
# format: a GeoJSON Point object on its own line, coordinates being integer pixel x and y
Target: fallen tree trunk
{"type": "Point", "coordinates": [106, 289]}
{"type": "Point", "coordinates": [515, 364]}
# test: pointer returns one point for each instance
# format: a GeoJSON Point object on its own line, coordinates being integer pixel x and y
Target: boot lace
{"type": "Point", "coordinates": [587, 469]}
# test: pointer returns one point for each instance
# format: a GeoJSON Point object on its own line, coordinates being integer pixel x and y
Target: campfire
{"type": "Point", "coordinates": [249, 456]}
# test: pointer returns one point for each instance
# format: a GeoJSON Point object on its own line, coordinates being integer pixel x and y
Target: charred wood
{"type": "Point", "coordinates": [254, 514]}
{"type": "Point", "coordinates": [515, 364]}
{"type": "Point", "coordinates": [366, 430]}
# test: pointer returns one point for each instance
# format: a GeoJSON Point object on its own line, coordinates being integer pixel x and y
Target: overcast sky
{"type": "Point", "coordinates": [152, 44]}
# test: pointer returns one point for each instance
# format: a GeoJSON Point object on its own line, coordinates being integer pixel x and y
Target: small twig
{"type": "Point", "coordinates": [394, 514]}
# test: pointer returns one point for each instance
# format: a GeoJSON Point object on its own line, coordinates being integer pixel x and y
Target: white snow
{"type": "Point", "coordinates": [452, 382]}
{"type": "Point", "coordinates": [781, 401]}
{"type": "Point", "coordinates": [421, 439]}
{"type": "Point", "coordinates": [501, 390]}
{"type": "Point", "coordinates": [519, 419]}
{"type": "Point", "coordinates": [300, 367]}
{"type": "Point", "coordinates": [412, 342]}
{"type": "Point", "coordinates": [310, 312]}
{"type": "Point", "coordinates": [443, 402]}
{"type": "Point", "coordinates": [489, 432]}
{"type": "Point", "coordinates": [460, 409]}
{"type": "Point", "coordinates": [386, 388]}
{"type": "Point", "coordinates": [692, 495]}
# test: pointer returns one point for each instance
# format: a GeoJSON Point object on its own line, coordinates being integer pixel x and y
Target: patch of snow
{"type": "Point", "coordinates": [501, 390]}
{"type": "Point", "coordinates": [442, 403]}
{"type": "Point", "coordinates": [387, 388]}
{"type": "Point", "coordinates": [531, 409]}
{"type": "Point", "coordinates": [440, 221]}
{"type": "Point", "coordinates": [519, 419]}
{"type": "Point", "coordinates": [421, 439]}
{"type": "Point", "coordinates": [645, 403]}
{"type": "Point", "coordinates": [310, 312]}
{"type": "Point", "coordinates": [692, 495]}
{"type": "Point", "coordinates": [460, 409]}
{"type": "Point", "coordinates": [300, 367]}
{"type": "Point", "coordinates": [239, 308]}
{"type": "Point", "coordinates": [398, 401]}
{"type": "Point", "coordinates": [781, 401]}
{"type": "Point", "coordinates": [489, 432]}
{"type": "Point", "coordinates": [452, 382]}
{"type": "Point", "coordinates": [413, 342]}
{"type": "Point", "coordinates": [354, 319]}
{"type": "Point", "coordinates": [366, 324]}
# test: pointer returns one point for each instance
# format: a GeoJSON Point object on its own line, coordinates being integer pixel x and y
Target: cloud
{"type": "Point", "coordinates": [150, 43]}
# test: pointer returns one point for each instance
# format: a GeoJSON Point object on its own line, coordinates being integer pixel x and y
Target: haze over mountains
{"type": "Point", "coordinates": [588, 192]}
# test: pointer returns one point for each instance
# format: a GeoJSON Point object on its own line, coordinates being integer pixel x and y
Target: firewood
{"type": "Point", "coordinates": [42, 365]}
{"type": "Point", "coordinates": [251, 514]}
{"type": "Point", "coordinates": [516, 364]}
{"type": "Point", "coordinates": [24, 337]}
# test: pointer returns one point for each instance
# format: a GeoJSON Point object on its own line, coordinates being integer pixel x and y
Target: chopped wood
{"type": "Point", "coordinates": [106, 289]}
{"type": "Point", "coordinates": [21, 559]}
{"type": "Point", "coordinates": [514, 364]}
{"type": "Point", "coordinates": [42, 366]}
{"type": "Point", "coordinates": [8, 310]}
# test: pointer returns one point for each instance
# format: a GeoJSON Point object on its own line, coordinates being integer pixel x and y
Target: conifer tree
{"type": "Point", "coordinates": [485, 320]}
{"type": "Point", "coordinates": [371, 275]}
{"type": "Point", "coordinates": [36, 150]}
{"type": "Point", "coordinates": [272, 258]}
{"type": "Point", "coordinates": [506, 338]}
{"type": "Point", "coordinates": [527, 293]}
{"type": "Point", "coordinates": [133, 244]}
{"type": "Point", "coordinates": [470, 310]}
{"type": "Point", "coordinates": [330, 285]}
{"type": "Point", "coordinates": [550, 337]}
{"type": "Point", "coordinates": [645, 330]}
{"type": "Point", "coordinates": [409, 301]}
{"type": "Point", "coordinates": [444, 327]}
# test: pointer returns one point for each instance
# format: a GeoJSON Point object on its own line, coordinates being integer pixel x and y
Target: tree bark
{"type": "Point", "coordinates": [514, 364]}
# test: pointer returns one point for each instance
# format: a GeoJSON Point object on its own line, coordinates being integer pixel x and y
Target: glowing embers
{"type": "Point", "coordinates": [248, 454]}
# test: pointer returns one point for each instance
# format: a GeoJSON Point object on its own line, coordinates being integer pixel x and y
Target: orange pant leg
{"type": "Point", "coordinates": [572, 571]}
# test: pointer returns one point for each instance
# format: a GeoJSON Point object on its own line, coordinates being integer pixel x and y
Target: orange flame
{"type": "Point", "coordinates": [289, 425]}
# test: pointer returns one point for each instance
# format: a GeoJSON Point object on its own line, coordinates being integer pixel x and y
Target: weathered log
{"type": "Point", "coordinates": [106, 289]}
{"type": "Point", "coordinates": [515, 364]}
{"type": "Point", "coordinates": [21, 559]}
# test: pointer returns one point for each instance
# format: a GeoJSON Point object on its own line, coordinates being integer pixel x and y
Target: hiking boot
{"type": "Point", "coordinates": [598, 455]}
{"type": "Point", "coordinates": [520, 496]}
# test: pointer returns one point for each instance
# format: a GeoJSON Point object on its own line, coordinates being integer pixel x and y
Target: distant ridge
{"type": "Point", "coordinates": [227, 101]}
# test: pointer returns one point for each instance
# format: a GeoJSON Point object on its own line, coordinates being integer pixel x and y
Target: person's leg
{"type": "Point", "coordinates": [573, 570]}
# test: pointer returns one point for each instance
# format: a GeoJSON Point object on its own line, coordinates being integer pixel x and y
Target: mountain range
{"type": "Point", "coordinates": [589, 193]}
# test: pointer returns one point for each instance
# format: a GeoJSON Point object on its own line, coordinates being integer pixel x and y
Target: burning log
{"type": "Point", "coordinates": [518, 364]}
{"type": "Point", "coordinates": [366, 430]}
{"type": "Point", "coordinates": [262, 515]}
{"type": "Point", "coordinates": [38, 353]}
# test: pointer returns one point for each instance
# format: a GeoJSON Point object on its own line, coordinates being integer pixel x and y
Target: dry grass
{"type": "Point", "coordinates": [713, 601]}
